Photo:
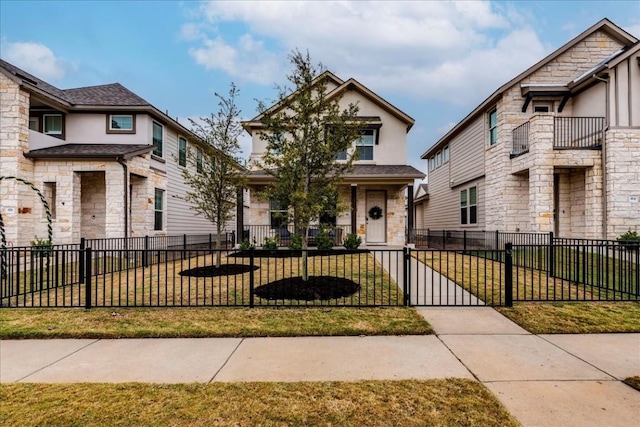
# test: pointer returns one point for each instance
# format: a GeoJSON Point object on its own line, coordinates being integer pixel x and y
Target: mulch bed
{"type": "Point", "coordinates": [290, 253]}
{"type": "Point", "coordinates": [316, 288]}
{"type": "Point", "coordinates": [223, 270]}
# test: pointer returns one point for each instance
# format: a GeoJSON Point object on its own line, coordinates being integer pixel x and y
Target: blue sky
{"type": "Point", "coordinates": [434, 60]}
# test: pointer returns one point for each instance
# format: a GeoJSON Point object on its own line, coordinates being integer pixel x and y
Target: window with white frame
{"type": "Point", "coordinates": [198, 160]}
{"type": "Point", "coordinates": [493, 126]}
{"type": "Point", "coordinates": [445, 154]}
{"type": "Point", "coordinates": [182, 151]}
{"type": "Point", "coordinates": [469, 206]}
{"type": "Point", "coordinates": [438, 159]}
{"type": "Point", "coordinates": [158, 138]}
{"type": "Point", "coordinates": [52, 124]}
{"type": "Point", "coordinates": [278, 214]}
{"type": "Point", "coordinates": [364, 145]}
{"type": "Point", "coordinates": [432, 163]}
{"type": "Point", "coordinates": [121, 123]}
{"type": "Point", "coordinates": [158, 222]}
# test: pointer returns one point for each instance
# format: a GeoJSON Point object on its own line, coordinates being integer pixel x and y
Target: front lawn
{"type": "Point", "coordinates": [209, 322]}
{"type": "Point", "coordinates": [575, 318]}
{"type": "Point", "coordinates": [451, 402]}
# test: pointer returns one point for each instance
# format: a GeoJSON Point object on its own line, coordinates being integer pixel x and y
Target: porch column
{"type": "Point", "coordinates": [541, 198]}
{"type": "Point", "coordinates": [410, 214]}
{"type": "Point", "coordinates": [240, 215]}
{"type": "Point", "coordinates": [114, 182]}
{"type": "Point", "coordinates": [354, 207]}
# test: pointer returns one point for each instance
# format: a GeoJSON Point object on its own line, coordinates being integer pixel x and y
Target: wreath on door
{"type": "Point", "coordinates": [375, 212]}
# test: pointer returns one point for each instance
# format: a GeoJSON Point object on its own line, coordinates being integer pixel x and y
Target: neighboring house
{"type": "Point", "coordinates": [419, 203]}
{"type": "Point", "coordinates": [556, 149]}
{"type": "Point", "coordinates": [379, 178]}
{"type": "Point", "coordinates": [107, 161]}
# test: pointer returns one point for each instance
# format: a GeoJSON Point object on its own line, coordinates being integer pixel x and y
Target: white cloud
{"type": "Point", "coordinates": [441, 50]}
{"type": "Point", "coordinates": [37, 59]}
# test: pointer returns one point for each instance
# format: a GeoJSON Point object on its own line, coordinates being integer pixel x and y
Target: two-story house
{"type": "Point", "coordinates": [373, 192]}
{"type": "Point", "coordinates": [107, 162]}
{"type": "Point", "coordinates": [555, 149]}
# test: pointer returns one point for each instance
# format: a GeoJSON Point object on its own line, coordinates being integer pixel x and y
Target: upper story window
{"type": "Point", "coordinates": [199, 160]}
{"type": "Point", "coordinates": [364, 145]}
{"type": "Point", "coordinates": [52, 124]}
{"type": "Point", "coordinates": [182, 151]}
{"type": "Point", "coordinates": [542, 107]}
{"type": "Point", "coordinates": [445, 154]}
{"type": "Point", "coordinates": [121, 123]}
{"type": "Point", "coordinates": [342, 155]}
{"type": "Point", "coordinates": [439, 159]}
{"type": "Point", "coordinates": [493, 126]}
{"type": "Point", "coordinates": [157, 138]}
{"type": "Point", "coordinates": [432, 163]}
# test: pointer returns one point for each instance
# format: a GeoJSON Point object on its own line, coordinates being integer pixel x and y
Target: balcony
{"type": "Point", "coordinates": [569, 133]}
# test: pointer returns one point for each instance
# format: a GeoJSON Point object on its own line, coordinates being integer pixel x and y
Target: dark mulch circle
{"type": "Point", "coordinates": [290, 253]}
{"type": "Point", "coordinates": [316, 288]}
{"type": "Point", "coordinates": [223, 270]}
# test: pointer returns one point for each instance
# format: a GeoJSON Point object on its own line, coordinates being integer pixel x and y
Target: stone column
{"type": "Point", "coordinates": [541, 173]}
{"type": "Point", "coordinates": [114, 218]}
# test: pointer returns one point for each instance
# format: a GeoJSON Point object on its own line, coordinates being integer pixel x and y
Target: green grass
{"type": "Point", "coordinates": [452, 402]}
{"type": "Point", "coordinates": [209, 322]}
{"type": "Point", "coordinates": [575, 318]}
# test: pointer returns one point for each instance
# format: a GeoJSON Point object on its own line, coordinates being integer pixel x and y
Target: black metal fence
{"type": "Point", "coordinates": [578, 132]}
{"type": "Point", "coordinates": [474, 240]}
{"type": "Point", "coordinates": [520, 140]}
{"type": "Point", "coordinates": [473, 273]}
{"type": "Point", "coordinates": [257, 234]}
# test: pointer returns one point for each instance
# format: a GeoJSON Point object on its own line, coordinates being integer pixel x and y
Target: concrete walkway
{"type": "Point", "coordinates": [543, 380]}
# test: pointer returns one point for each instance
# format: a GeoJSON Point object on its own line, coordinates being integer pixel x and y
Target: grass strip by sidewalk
{"type": "Point", "coordinates": [212, 322]}
{"type": "Point", "coordinates": [575, 318]}
{"type": "Point", "coordinates": [368, 403]}
{"type": "Point", "coordinates": [633, 382]}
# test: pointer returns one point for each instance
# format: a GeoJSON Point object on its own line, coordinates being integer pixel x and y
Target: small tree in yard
{"type": "Point", "coordinates": [218, 172]}
{"type": "Point", "coordinates": [304, 132]}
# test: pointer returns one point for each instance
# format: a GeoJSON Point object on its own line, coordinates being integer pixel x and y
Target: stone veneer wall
{"type": "Point", "coordinates": [622, 180]}
{"type": "Point", "coordinates": [93, 204]}
{"type": "Point", "coordinates": [17, 201]}
{"type": "Point", "coordinates": [503, 193]}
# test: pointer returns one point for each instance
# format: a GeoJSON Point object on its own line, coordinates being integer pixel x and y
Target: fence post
{"type": "Point", "coordinates": [145, 255]}
{"type": "Point", "coordinates": [233, 238]}
{"type": "Point", "coordinates": [87, 279]}
{"type": "Point", "coordinates": [251, 277]}
{"type": "Point", "coordinates": [497, 240]}
{"type": "Point", "coordinates": [444, 240]}
{"type": "Point", "coordinates": [551, 267]}
{"type": "Point", "coordinates": [81, 260]}
{"type": "Point", "coordinates": [508, 275]}
{"type": "Point", "coordinates": [210, 239]}
{"type": "Point", "coordinates": [406, 270]}
{"type": "Point", "coordinates": [464, 241]}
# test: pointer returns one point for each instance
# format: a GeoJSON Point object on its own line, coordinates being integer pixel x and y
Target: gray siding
{"type": "Point", "coordinates": [467, 153]}
{"type": "Point", "coordinates": [442, 210]}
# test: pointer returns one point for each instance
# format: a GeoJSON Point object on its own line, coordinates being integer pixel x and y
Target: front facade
{"type": "Point", "coordinates": [556, 149]}
{"type": "Point", "coordinates": [372, 195]}
{"type": "Point", "coordinates": [107, 162]}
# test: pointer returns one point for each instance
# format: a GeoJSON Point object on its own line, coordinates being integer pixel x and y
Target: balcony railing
{"type": "Point", "coordinates": [578, 133]}
{"type": "Point", "coordinates": [520, 140]}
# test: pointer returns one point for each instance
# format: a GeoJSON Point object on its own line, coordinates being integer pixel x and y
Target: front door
{"type": "Point", "coordinates": [376, 217]}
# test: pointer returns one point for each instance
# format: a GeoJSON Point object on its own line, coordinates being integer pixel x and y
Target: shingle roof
{"type": "Point", "coordinates": [111, 94]}
{"type": "Point", "coordinates": [89, 151]}
{"type": "Point", "coordinates": [371, 171]}
{"type": "Point", "coordinates": [33, 80]}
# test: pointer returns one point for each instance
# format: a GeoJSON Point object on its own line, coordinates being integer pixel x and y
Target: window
{"type": "Point", "coordinates": [182, 151]}
{"type": "Point", "coordinates": [342, 155]}
{"type": "Point", "coordinates": [278, 213]}
{"type": "Point", "coordinates": [493, 127]}
{"type": "Point", "coordinates": [199, 160]}
{"type": "Point", "coordinates": [543, 107]}
{"type": "Point", "coordinates": [49, 191]}
{"type": "Point", "coordinates": [158, 210]}
{"type": "Point", "coordinates": [157, 139]}
{"type": "Point", "coordinates": [432, 163]}
{"type": "Point", "coordinates": [52, 124]}
{"type": "Point", "coordinates": [445, 154]}
{"type": "Point", "coordinates": [364, 145]}
{"type": "Point", "coordinates": [438, 159]}
{"type": "Point", "coordinates": [121, 123]}
{"type": "Point", "coordinates": [469, 206]}
{"type": "Point", "coordinates": [34, 124]}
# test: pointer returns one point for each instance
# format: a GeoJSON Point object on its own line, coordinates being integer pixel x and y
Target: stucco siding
{"type": "Point", "coordinates": [92, 129]}
{"type": "Point", "coordinates": [591, 102]}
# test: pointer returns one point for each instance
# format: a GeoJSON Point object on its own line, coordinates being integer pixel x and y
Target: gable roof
{"type": "Point", "coordinates": [604, 25]}
{"type": "Point", "coordinates": [110, 94]}
{"type": "Point", "coordinates": [342, 87]}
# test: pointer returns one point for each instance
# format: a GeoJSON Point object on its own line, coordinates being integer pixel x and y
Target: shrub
{"type": "Point", "coordinates": [630, 240]}
{"type": "Point", "coordinates": [41, 246]}
{"type": "Point", "coordinates": [270, 243]}
{"type": "Point", "coordinates": [296, 242]}
{"type": "Point", "coordinates": [246, 245]}
{"type": "Point", "coordinates": [352, 241]}
{"type": "Point", "coordinates": [324, 240]}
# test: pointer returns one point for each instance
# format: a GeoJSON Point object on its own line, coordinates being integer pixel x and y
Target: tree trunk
{"type": "Point", "coordinates": [305, 254]}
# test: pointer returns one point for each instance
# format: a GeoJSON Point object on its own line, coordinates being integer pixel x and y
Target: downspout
{"type": "Point", "coordinates": [125, 195]}
{"type": "Point", "coordinates": [605, 218]}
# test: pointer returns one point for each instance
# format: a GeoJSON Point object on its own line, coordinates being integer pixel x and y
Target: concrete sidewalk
{"type": "Point", "coordinates": [544, 380]}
